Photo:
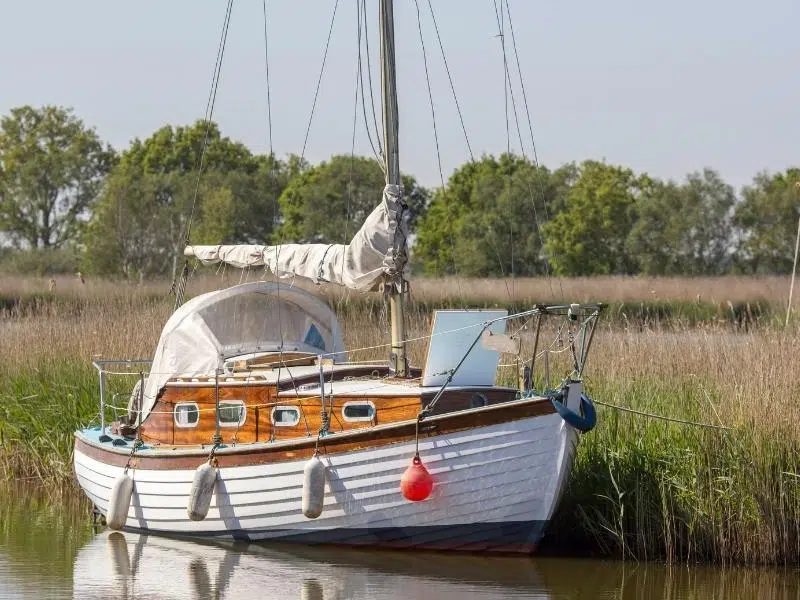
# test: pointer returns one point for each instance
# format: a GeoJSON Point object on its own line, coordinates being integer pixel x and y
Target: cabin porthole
{"type": "Point", "coordinates": [187, 414]}
{"type": "Point", "coordinates": [285, 416]}
{"type": "Point", "coordinates": [232, 413]}
{"type": "Point", "coordinates": [478, 400]}
{"type": "Point", "coordinates": [353, 412]}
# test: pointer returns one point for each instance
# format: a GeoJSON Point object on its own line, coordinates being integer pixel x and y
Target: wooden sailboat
{"type": "Point", "coordinates": [251, 424]}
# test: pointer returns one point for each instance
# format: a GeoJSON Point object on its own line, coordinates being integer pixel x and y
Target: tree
{"type": "Point", "coordinates": [178, 150]}
{"type": "Point", "coordinates": [766, 220]}
{"type": "Point", "coordinates": [329, 202]}
{"type": "Point", "coordinates": [487, 220]}
{"type": "Point", "coordinates": [589, 237]}
{"type": "Point", "coordinates": [144, 213]}
{"type": "Point", "coordinates": [51, 170]}
{"type": "Point", "coordinates": [684, 229]}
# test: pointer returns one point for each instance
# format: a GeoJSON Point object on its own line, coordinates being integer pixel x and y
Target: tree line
{"type": "Point", "coordinates": [68, 201]}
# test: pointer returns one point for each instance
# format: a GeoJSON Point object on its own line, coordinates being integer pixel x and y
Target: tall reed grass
{"type": "Point", "coordinates": [641, 487]}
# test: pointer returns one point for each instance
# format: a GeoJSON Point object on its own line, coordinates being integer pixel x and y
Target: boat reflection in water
{"type": "Point", "coordinates": [126, 565]}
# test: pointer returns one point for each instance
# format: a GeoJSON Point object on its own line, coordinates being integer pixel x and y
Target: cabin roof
{"type": "Point", "coordinates": [241, 320]}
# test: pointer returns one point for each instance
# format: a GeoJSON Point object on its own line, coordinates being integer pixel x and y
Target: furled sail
{"type": "Point", "coordinates": [376, 254]}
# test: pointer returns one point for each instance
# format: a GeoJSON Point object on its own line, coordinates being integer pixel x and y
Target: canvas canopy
{"type": "Point", "coordinates": [376, 254]}
{"type": "Point", "coordinates": [253, 317]}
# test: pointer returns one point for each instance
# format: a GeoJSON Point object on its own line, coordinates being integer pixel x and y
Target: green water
{"type": "Point", "coordinates": [49, 549]}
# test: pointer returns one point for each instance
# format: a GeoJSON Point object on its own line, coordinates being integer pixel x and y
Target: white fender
{"type": "Point", "coordinates": [205, 477]}
{"type": "Point", "coordinates": [120, 502]}
{"type": "Point", "coordinates": [313, 487]}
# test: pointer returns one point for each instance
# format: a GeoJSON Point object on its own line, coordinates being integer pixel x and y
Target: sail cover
{"type": "Point", "coordinates": [254, 317]}
{"type": "Point", "coordinates": [375, 255]}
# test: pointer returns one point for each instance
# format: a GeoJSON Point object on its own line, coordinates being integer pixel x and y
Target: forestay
{"type": "Point", "coordinates": [249, 318]}
{"type": "Point", "coordinates": [375, 255]}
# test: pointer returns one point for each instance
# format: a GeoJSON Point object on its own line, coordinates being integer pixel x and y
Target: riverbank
{"type": "Point", "coordinates": [641, 487]}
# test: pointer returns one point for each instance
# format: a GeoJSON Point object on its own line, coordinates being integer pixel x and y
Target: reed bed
{"type": "Point", "coordinates": [641, 487]}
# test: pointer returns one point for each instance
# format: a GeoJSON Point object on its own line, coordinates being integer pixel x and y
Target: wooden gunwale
{"type": "Point", "coordinates": [165, 458]}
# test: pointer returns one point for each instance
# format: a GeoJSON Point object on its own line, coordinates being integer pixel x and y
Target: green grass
{"type": "Point", "coordinates": [647, 489]}
{"type": "Point", "coordinates": [39, 411]}
{"type": "Point", "coordinates": [640, 488]}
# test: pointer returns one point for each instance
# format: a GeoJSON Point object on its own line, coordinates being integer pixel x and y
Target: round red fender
{"type": "Point", "coordinates": [416, 483]}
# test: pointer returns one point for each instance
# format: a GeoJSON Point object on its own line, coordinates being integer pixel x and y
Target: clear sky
{"type": "Point", "coordinates": [664, 87]}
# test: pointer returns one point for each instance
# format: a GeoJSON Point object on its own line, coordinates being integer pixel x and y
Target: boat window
{"type": "Point", "coordinates": [187, 414]}
{"type": "Point", "coordinates": [478, 400]}
{"type": "Point", "coordinates": [232, 413]}
{"type": "Point", "coordinates": [358, 411]}
{"type": "Point", "coordinates": [285, 416]}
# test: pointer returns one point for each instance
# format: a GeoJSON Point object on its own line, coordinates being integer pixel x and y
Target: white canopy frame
{"type": "Point", "coordinates": [244, 319]}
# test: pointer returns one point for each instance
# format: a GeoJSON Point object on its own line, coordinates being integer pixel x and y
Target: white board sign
{"type": "Point", "coordinates": [453, 332]}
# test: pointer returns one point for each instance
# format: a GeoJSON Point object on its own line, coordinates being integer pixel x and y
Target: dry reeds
{"type": "Point", "coordinates": [641, 487]}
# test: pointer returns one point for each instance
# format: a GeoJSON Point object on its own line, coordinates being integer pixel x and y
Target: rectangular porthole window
{"type": "Point", "coordinates": [232, 413]}
{"type": "Point", "coordinates": [285, 416]}
{"type": "Point", "coordinates": [358, 411]}
{"type": "Point", "coordinates": [187, 414]}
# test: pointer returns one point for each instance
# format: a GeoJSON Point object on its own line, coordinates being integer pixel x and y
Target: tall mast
{"type": "Point", "coordinates": [390, 136]}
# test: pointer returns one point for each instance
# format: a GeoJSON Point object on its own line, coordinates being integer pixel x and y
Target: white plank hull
{"type": "Point", "coordinates": [496, 487]}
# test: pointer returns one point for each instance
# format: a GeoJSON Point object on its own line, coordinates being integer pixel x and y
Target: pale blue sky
{"type": "Point", "coordinates": [664, 87]}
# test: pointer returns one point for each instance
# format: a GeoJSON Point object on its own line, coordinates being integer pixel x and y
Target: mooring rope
{"type": "Point", "coordinates": [661, 417]}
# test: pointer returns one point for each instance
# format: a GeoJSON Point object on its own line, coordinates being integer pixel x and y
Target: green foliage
{"type": "Point", "coordinates": [684, 229]}
{"type": "Point", "coordinates": [486, 220]}
{"type": "Point", "coordinates": [216, 217]}
{"type": "Point", "coordinates": [51, 169]}
{"type": "Point", "coordinates": [767, 219]}
{"type": "Point", "coordinates": [589, 237]}
{"type": "Point", "coordinates": [129, 216]}
{"type": "Point", "coordinates": [140, 223]}
{"type": "Point", "coordinates": [329, 202]}
{"type": "Point", "coordinates": [650, 490]}
{"type": "Point", "coordinates": [178, 150]}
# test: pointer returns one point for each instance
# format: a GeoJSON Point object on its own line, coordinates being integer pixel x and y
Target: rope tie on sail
{"type": "Point", "coordinates": [320, 272]}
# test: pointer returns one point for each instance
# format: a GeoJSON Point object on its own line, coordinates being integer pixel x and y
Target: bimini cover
{"type": "Point", "coordinates": [253, 317]}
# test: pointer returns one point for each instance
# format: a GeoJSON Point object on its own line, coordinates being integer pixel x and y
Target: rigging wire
{"type": "Point", "coordinates": [273, 178]}
{"type": "Point", "coordinates": [266, 73]}
{"type": "Point", "coordinates": [436, 142]}
{"type": "Point", "coordinates": [179, 283]}
{"type": "Point", "coordinates": [508, 175]}
{"type": "Point", "coordinates": [319, 80]}
{"type": "Point", "coordinates": [378, 131]}
{"type": "Point", "coordinates": [359, 82]}
{"type": "Point", "coordinates": [212, 97]}
{"type": "Point", "coordinates": [363, 25]}
{"type": "Point", "coordinates": [450, 79]}
{"type": "Point", "coordinates": [504, 8]}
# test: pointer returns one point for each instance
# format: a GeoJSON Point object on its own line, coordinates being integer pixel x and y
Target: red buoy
{"type": "Point", "coordinates": [416, 483]}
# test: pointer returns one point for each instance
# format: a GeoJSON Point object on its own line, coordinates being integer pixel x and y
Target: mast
{"type": "Point", "coordinates": [390, 135]}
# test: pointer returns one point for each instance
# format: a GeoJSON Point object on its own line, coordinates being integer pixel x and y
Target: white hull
{"type": "Point", "coordinates": [496, 487]}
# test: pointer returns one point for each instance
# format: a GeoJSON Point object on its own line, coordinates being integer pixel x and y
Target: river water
{"type": "Point", "coordinates": [49, 549]}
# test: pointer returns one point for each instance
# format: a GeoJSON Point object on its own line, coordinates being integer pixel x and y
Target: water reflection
{"type": "Point", "coordinates": [48, 550]}
{"type": "Point", "coordinates": [133, 566]}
